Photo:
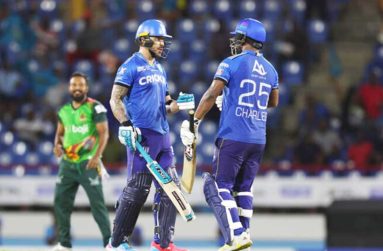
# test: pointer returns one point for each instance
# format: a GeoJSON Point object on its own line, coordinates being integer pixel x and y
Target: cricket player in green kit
{"type": "Point", "coordinates": [81, 136]}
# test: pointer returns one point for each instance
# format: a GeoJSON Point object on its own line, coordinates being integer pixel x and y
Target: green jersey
{"type": "Point", "coordinates": [80, 137]}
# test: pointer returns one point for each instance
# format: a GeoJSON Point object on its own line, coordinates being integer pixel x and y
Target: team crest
{"type": "Point", "coordinates": [259, 68]}
{"type": "Point", "coordinates": [82, 117]}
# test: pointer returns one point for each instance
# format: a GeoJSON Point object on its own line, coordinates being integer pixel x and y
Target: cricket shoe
{"type": "Point", "coordinates": [58, 247]}
{"type": "Point", "coordinates": [109, 247]}
{"type": "Point", "coordinates": [122, 247]}
{"type": "Point", "coordinates": [156, 247]}
{"type": "Point", "coordinates": [240, 242]}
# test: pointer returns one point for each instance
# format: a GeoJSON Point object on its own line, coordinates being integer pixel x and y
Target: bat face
{"type": "Point", "coordinates": [189, 166]}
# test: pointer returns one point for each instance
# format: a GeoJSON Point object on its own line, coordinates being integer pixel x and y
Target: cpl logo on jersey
{"type": "Point", "coordinates": [152, 79]}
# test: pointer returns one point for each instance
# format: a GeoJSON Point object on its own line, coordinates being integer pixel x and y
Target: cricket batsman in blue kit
{"type": "Point", "coordinates": [140, 101]}
{"type": "Point", "coordinates": [249, 84]}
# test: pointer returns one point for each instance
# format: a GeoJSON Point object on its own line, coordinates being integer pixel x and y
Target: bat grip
{"type": "Point", "coordinates": [191, 120]}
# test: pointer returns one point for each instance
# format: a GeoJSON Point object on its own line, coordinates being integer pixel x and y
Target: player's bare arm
{"type": "Point", "coordinates": [118, 92]}
{"type": "Point", "coordinates": [58, 147]}
{"type": "Point", "coordinates": [103, 132]}
{"type": "Point", "coordinates": [274, 98]}
{"type": "Point", "coordinates": [209, 97]}
{"type": "Point", "coordinates": [171, 105]}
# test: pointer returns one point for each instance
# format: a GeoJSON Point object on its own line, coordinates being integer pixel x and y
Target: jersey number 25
{"type": "Point", "coordinates": [262, 95]}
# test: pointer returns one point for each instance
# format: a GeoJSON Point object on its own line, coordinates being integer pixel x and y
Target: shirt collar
{"type": "Point", "coordinates": [252, 52]}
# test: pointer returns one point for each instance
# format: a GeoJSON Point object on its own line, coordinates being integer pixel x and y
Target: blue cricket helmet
{"type": "Point", "coordinates": [251, 28]}
{"type": "Point", "coordinates": [152, 28]}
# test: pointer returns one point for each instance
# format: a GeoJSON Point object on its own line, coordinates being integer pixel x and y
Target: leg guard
{"type": "Point", "coordinates": [225, 209]}
{"type": "Point", "coordinates": [245, 207]}
{"type": "Point", "coordinates": [164, 214]}
{"type": "Point", "coordinates": [129, 205]}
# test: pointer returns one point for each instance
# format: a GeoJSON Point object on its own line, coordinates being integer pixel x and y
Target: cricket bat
{"type": "Point", "coordinates": [189, 167]}
{"type": "Point", "coordinates": [168, 185]}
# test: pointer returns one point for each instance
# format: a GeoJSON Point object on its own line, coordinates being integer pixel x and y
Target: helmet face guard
{"type": "Point", "coordinates": [166, 49]}
{"type": "Point", "coordinates": [147, 42]}
{"type": "Point", "coordinates": [236, 43]}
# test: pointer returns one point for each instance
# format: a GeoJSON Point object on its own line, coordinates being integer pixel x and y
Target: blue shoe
{"type": "Point", "coordinates": [124, 247]}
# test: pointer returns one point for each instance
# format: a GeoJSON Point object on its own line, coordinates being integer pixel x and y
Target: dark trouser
{"type": "Point", "coordinates": [137, 189]}
{"type": "Point", "coordinates": [69, 178]}
{"type": "Point", "coordinates": [228, 190]}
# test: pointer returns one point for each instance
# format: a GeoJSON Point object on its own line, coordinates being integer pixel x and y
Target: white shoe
{"type": "Point", "coordinates": [109, 247]}
{"type": "Point", "coordinates": [239, 242]}
{"type": "Point", "coordinates": [58, 247]}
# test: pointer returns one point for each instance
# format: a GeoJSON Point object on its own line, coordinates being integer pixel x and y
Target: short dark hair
{"type": "Point", "coordinates": [80, 74]}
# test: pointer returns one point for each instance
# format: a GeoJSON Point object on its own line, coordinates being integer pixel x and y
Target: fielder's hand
{"type": "Point", "coordinates": [128, 134]}
{"type": "Point", "coordinates": [219, 101]}
{"type": "Point", "coordinates": [185, 101]}
{"type": "Point", "coordinates": [93, 162]}
{"type": "Point", "coordinates": [58, 150]}
{"type": "Point", "coordinates": [187, 137]}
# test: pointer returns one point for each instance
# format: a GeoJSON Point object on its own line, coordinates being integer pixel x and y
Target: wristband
{"type": "Point", "coordinates": [169, 102]}
{"type": "Point", "coordinates": [127, 123]}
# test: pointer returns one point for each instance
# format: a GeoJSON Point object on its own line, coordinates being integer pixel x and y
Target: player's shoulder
{"type": "Point", "coordinates": [130, 62]}
{"type": "Point", "coordinates": [65, 107]}
{"type": "Point", "coordinates": [234, 57]}
{"type": "Point", "coordinates": [267, 63]}
{"type": "Point", "coordinates": [97, 106]}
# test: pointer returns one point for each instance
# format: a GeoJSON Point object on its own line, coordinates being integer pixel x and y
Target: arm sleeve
{"type": "Point", "coordinates": [99, 112]}
{"type": "Point", "coordinates": [275, 84]}
{"type": "Point", "coordinates": [223, 71]}
{"type": "Point", "coordinates": [58, 116]}
{"type": "Point", "coordinates": [125, 75]}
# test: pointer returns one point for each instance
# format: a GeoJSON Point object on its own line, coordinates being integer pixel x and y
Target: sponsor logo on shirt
{"type": "Point", "coordinates": [152, 79]}
{"type": "Point", "coordinates": [259, 68]}
{"type": "Point", "coordinates": [141, 68]}
{"type": "Point", "coordinates": [219, 71]}
{"type": "Point", "coordinates": [223, 65]}
{"type": "Point", "coordinates": [122, 70]}
{"type": "Point", "coordinates": [80, 129]}
{"type": "Point", "coordinates": [100, 108]}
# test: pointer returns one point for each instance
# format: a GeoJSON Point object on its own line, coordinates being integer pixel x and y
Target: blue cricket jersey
{"type": "Point", "coordinates": [249, 80]}
{"type": "Point", "coordinates": [145, 104]}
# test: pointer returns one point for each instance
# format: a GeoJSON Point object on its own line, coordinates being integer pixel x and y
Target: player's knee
{"type": "Point", "coordinates": [213, 189]}
{"type": "Point", "coordinates": [210, 188]}
{"type": "Point", "coordinates": [161, 198]}
{"type": "Point", "coordinates": [138, 188]}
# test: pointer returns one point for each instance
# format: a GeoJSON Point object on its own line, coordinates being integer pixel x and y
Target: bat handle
{"type": "Point", "coordinates": [191, 120]}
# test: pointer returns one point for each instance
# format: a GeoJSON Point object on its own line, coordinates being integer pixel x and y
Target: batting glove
{"type": "Point", "coordinates": [128, 134]}
{"type": "Point", "coordinates": [185, 101]}
{"type": "Point", "coordinates": [187, 137]}
{"type": "Point", "coordinates": [219, 101]}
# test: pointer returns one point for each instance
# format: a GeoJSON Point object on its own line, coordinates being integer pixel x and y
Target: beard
{"type": "Point", "coordinates": [78, 98]}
